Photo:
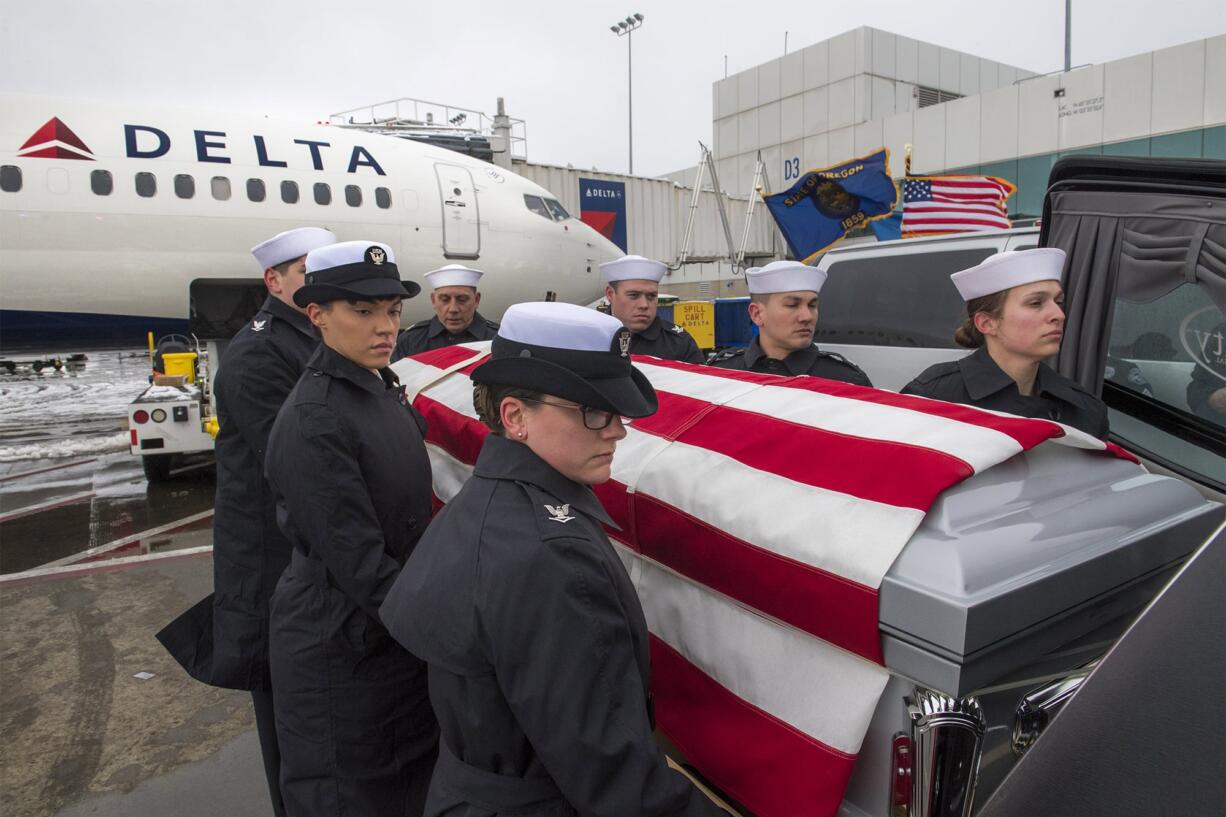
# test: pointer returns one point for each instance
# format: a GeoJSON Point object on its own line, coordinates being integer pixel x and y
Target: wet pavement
{"type": "Point", "coordinates": [93, 562]}
{"type": "Point", "coordinates": [82, 734]}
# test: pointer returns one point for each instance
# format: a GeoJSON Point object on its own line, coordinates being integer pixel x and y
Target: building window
{"type": "Point", "coordinates": [221, 188]}
{"type": "Point", "coordinates": [101, 182]}
{"type": "Point", "coordinates": [925, 97]}
{"type": "Point", "coordinates": [255, 189]}
{"type": "Point", "coordinates": [10, 178]}
{"type": "Point", "coordinates": [353, 195]}
{"type": "Point", "coordinates": [323, 193]}
{"type": "Point", "coordinates": [383, 197]}
{"type": "Point", "coordinates": [289, 192]}
{"type": "Point", "coordinates": [185, 186]}
{"type": "Point", "coordinates": [146, 185]}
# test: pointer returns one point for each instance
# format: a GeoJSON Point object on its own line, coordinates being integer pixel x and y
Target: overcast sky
{"type": "Point", "coordinates": [556, 63]}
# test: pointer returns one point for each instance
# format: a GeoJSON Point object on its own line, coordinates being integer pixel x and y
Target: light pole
{"type": "Point", "coordinates": [627, 28]}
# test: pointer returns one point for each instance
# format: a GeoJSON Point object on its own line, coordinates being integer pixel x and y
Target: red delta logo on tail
{"type": "Point", "coordinates": [55, 140]}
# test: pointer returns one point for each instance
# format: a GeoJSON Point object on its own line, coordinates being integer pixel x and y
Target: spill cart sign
{"type": "Point", "coordinates": [602, 206]}
{"type": "Point", "coordinates": [698, 318]}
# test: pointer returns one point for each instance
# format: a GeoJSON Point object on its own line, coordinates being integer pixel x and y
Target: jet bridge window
{"type": "Point", "coordinates": [10, 178]}
{"type": "Point", "coordinates": [221, 188]}
{"type": "Point", "coordinates": [185, 186]}
{"type": "Point", "coordinates": [255, 189]}
{"type": "Point", "coordinates": [289, 192]}
{"type": "Point", "coordinates": [557, 210]}
{"type": "Point", "coordinates": [537, 205]}
{"type": "Point", "coordinates": [101, 182]}
{"type": "Point", "coordinates": [383, 197]}
{"type": "Point", "coordinates": [146, 185]}
{"type": "Point", "coordinates": [353, 195]}
{"type": "Point", "coordinates": [323, 193]}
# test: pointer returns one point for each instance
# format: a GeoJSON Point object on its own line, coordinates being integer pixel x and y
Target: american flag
{"type": "Point", "coordinates": [954, 204]}
{"type": "Point", "coordinates": [758, 517]}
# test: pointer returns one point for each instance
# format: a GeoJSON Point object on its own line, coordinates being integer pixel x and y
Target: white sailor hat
{"type": "Point", "coordinates": [571, 352]}
{"type": "Point", "coordinates": [355, 270]}
{"type": "Point", "coordinates": [1006, 270]}
{"type": "Point", "coordinates": [784, 276]}
{"type": "Point", "coordinates": [454, 275]}
{"type": "Point", "coordinates": [632, 268]}
{"type": "Point", "coordinates": [291, 244]}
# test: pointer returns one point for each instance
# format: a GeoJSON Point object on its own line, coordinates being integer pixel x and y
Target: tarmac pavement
{"type": "Point", "coordinates": [80, 734]}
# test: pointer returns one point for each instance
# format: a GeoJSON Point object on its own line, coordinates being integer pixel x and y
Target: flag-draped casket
{"type": "Point", "coordinates": [757, 517]}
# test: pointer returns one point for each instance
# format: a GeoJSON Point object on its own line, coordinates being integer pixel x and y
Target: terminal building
{"type": "Point", "coordinates": [865, 89]}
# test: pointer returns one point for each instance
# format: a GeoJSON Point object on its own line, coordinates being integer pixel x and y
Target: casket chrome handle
{"type": "Point", "coordinates": [1040, 705]}
{"type": "Point", "coordinates": [946, 745]}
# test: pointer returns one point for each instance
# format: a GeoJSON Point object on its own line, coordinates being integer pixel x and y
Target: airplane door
{"type": "Point", "coordinates": [461, 217]}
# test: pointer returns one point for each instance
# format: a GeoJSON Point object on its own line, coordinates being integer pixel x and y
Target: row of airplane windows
{"type": "Point", "coordinates": [102, 183]}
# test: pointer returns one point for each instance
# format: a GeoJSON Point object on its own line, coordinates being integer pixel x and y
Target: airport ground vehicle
{"type": "Point", "coordinates": [177, 414]}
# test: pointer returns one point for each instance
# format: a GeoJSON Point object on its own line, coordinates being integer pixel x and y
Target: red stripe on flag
{"type": "Point", "coordinates": [959, 220]}
{"type": "Point", "coordinates": [1027, 432]}
{"type": "Point", "coordinates": [760, 761]}
{"type": "Point", "coordinates": [820, 603]}
{"type": "Point", "coordinates": [884, 471]}
{"type": "Point", "coordinates": [458, 434]}
{"type": "Point", "coordinates": [446, 356]}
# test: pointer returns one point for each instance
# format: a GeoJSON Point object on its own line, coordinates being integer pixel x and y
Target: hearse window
{"type": "Point", "coordinates": [536, 205]}
{"type": "Point", "coordinates": [557, 210]}
{"type": "Point", "coordinates": [1165, 373]}
{"type": "Point", "coordinates": [101, 182]}
{"type": "Point", "coordinates": [896, 300]}
{"type": "Point", "coordinates": [255, 189]}
{"type": "Point", "coordinates": [10, 178]}
{"type": "Point", "coordinates": [146, 185]}
{"type": "Point", "coordinates": [323, 193]}
{"type": "Point", "coordinates": [289, 192]}
{"type": "Point", "coordinates": [221, 188]}
{"type": "Point", "coordinates": [383, 197]}
{"type": "Point", "coordinates": [353, 195]}
{"type": "Point", "coordinates": [185, 186]}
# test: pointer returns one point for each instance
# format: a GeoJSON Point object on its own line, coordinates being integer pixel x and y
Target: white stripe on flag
{"type": "Point", "coordinates": [857, 539]}
{"type": "Point", "coordinates": [447, 473]}
{"type": "Point", "coordinates": [811, 685]}
{"type": "Point", "coordinates": [974, 445]}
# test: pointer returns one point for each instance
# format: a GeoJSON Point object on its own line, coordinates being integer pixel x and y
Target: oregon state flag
{"type": "Point", "coordinates": [827, 203]}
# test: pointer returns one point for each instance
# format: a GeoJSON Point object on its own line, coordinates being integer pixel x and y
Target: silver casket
{"type": "Point", "coordinates": [1016, 583]}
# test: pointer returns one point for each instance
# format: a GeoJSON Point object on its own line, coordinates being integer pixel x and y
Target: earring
{"type": "Point", "coordinates": [520, 435]}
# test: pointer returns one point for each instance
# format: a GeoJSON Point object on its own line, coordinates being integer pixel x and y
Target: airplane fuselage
{"type": "Point", "coordinates": [108, 213]}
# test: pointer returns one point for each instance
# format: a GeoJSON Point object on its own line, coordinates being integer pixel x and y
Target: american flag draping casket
{"type": "Point", "coordinates": [758, 516]}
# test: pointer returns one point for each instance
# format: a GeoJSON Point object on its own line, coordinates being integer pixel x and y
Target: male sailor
{"type": "Point", "coordinates": [783, 305]}
{"type": "Point", "coordinates": [632, 284]}
{"type": "Point", "coordinates": [455, 298]}
{"type": "Point", "coordinates": [223, 640]}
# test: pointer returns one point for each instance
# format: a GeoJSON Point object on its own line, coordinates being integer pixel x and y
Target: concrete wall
{"type": "Point", "coordinates": [848, 96]}
{"type": "Point", "coordinates": [828, 102]}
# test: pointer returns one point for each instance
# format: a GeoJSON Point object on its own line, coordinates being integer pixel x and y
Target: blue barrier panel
{"type": "Point", "coordinates": [732, 324]}
{"type": "Point", "coordinates": [665, 313]}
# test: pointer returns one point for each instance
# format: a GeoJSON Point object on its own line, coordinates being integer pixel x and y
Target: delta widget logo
{"type": "Point", "coordinates": [55, 140]}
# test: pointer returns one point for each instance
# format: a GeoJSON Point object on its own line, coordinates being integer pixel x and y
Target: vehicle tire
{"type": "Point", "coordinates": [156, 466]}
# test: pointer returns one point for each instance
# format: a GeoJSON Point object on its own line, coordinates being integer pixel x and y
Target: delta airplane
{"type": "Point", "coordinates": [108, 213]}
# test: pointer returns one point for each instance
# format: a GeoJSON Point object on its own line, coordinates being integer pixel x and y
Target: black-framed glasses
{"type": "Point", "coordinates": [593, 418]}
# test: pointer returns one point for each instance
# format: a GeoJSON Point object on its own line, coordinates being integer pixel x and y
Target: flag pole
{"type": "Point", "coordinates": [906, 162]}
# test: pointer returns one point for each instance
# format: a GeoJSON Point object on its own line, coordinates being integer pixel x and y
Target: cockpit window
{"type": "Point", "coordinates": [557, 210]}
{"type": "Point", "coordinates": [536, 205]}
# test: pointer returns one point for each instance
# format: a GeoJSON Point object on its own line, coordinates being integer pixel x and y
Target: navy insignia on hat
{"type": "Point", "coordinates": [375, 255]}
{"type": "Point", "coordinates": [621, 342]}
